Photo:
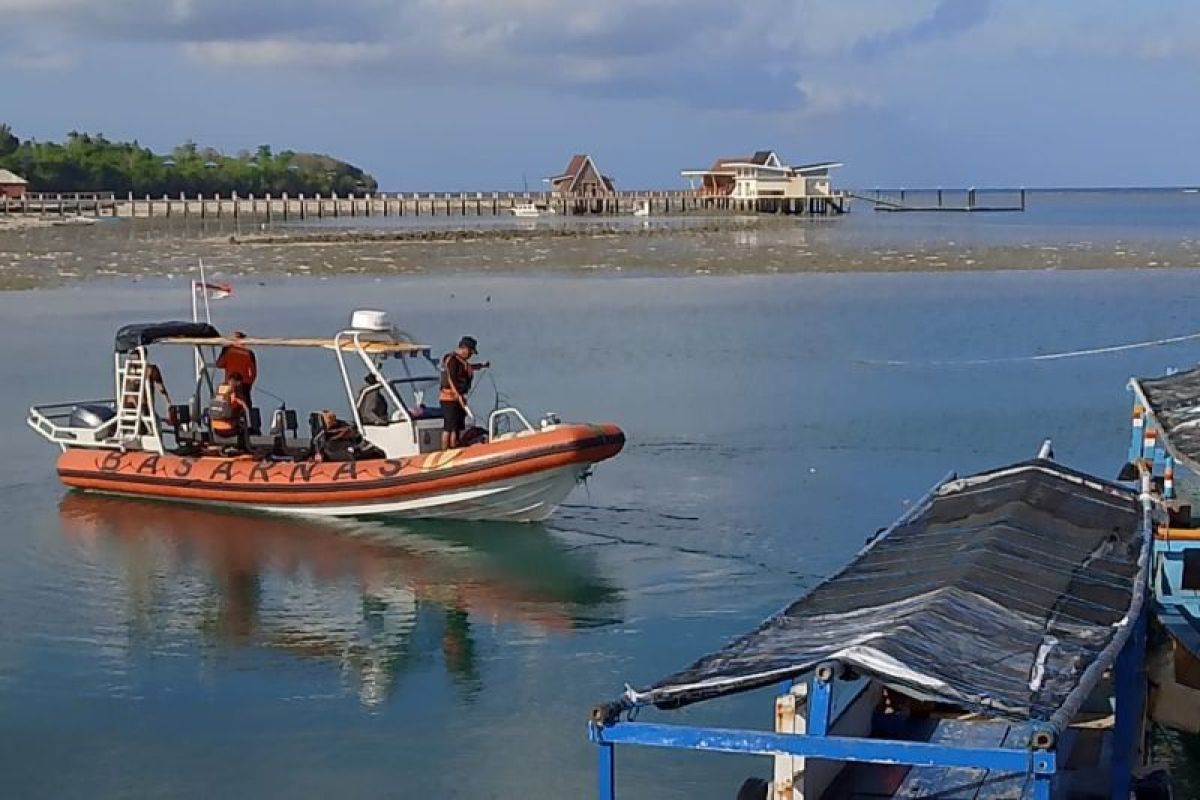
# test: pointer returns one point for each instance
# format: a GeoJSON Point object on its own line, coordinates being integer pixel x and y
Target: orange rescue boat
{"type": "Point", "coordinates": [516, 471]}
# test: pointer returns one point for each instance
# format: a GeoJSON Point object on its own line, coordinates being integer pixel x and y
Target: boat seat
{"type": "Point", "coordinates": [278, 447]}
{"type": "Point", "coordinates": [190, 437]}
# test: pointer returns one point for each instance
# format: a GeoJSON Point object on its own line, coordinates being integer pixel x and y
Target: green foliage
{"type": "Point", "coordinates": [91, 163]}
{"type": "Point", "coordinates": [8, 142]}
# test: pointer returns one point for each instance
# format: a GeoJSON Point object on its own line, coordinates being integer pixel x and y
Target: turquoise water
{"type": "Point", "coordinates": [158, 651]}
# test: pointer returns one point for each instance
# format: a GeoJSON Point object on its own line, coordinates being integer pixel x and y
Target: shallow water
{"type": "Point", "coordinates": [1060, 230]}
{"type": "Point", "coordinates": [152, 650]}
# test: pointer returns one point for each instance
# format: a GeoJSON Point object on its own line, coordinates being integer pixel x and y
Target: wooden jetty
{"type": "Point", "coordinates": [91, 204]}
{"type": "Point", "coordinates": [948, 200]}
{"type": "Point", "coordinates": [390, 204]}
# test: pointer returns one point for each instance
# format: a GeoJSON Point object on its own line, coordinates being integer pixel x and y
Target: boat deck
{"type": "Point", "coordinates": [1084, 773]}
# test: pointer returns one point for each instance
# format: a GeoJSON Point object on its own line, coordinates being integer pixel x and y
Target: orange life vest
{"type": "Point", "coordinates": [225, 411]}
{"type": "Point", "coordinates": [448, 392]}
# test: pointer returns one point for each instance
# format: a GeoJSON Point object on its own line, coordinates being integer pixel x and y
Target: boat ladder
{"type": "Point", "coordinates": [132, 399]}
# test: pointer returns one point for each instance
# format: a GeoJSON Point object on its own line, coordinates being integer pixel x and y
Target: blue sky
{"type": "Point", "coordinates": [472, 94]}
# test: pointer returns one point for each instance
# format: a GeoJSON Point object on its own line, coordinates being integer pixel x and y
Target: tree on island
{"type": "Point", "coordinates": [91, 163]}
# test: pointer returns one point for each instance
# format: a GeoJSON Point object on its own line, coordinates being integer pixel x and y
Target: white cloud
{"type": "Point", "coordinates": [823, 56]}
{"type": "Point", "coordinates": [824, 98]}
{"type": "Point", "coordinates": [281, 52]}
{"type": "Point", "coordinates": [38, 60]}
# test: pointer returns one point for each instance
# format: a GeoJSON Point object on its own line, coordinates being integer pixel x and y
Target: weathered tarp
{"type": "Point", "coordinates": [143, 333]}
{"type": "Point", "coordinates": [1174, 401]}
{"type": "Point", "coordinates": [1007, 594]}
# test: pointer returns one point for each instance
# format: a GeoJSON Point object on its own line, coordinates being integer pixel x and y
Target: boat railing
{"type": "Point", "coordinates": [506, 412]}
{"type": "Point", "coordinates": [51, 420]}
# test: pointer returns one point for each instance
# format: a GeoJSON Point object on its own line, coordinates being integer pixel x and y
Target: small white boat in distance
{"type": "Point", "coordinates": [531, 210]}
{"type": "Point", "coordinates": [641, 208]}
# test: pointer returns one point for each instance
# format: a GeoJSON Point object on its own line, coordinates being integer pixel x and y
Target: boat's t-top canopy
{"type": "Point", "coordinates": [140, 334]}
{"type": "Point", "coordinates": [373, 343]}
{"type": "Point", "coordinates": [199, 334]}
{"type": "Point", "coordinates": [1006, 594]}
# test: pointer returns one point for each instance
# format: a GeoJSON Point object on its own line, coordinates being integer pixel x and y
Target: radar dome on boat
{"type": "Point", "coordinates": [365, 319]}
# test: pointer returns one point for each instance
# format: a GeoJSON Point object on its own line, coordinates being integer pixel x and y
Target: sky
{"type": "Point", "coordinates": [487, 94]}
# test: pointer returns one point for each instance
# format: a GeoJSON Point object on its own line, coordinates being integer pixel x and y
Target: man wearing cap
{"type": "Point", "coordinates": [457, 372]}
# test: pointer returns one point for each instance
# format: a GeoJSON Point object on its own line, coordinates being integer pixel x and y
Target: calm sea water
{"type": "Point", "coordinates": [158, 651]}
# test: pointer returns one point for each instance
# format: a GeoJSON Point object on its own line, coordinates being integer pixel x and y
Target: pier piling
{"type": "Point", "coordinates": [431, 204]}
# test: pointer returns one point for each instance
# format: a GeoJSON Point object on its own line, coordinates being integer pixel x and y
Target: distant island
{"type": "Point", "coordinates": [90, 162]}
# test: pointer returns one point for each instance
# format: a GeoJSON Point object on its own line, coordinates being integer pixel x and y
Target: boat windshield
{"type": "Point", "coordinates": [419, 395]}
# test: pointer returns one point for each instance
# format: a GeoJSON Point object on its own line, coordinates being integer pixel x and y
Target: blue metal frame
{"type": "Point", "coordinates": [1130, 689]}
{"type": "Point", "coordinates": [820, 702]}
{"type": "Point", "coordinates": [1041, 764]}
{"type": "Point", "coordinates": [832, 748]}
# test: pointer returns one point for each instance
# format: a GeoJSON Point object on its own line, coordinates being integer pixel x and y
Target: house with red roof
{"type": "Point", "coordinates": [12, 185]}
{"type": "Point", "coordinates": [581, 179]}
{"type": "Point", "coordinates": [763, 177]}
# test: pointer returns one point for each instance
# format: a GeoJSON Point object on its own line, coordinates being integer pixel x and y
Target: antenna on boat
{"type": "Point", "coordinates": [204, 288]}
{"type": "Point", "coordinates": [200, 286]}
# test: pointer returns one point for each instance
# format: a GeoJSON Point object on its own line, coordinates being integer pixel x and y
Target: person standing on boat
{"type": "Point", "coordinates": [238, 358]}
{"type": "Point", "coordinates": [457, 373]}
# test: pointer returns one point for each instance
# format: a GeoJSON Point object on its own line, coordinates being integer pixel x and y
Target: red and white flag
{"type": "Point", "coordinates": [213, 291]}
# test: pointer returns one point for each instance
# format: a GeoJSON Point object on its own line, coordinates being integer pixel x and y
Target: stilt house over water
{"type": "Point", "coordinates": [762, 182]}
{"type": "Point", "coordinates": [581, 179]}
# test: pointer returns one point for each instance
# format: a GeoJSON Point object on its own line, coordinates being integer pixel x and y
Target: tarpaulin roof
{"type": "Point", "coordinates": [1174, 401]}
{"type": "Point", "coordinates": [1006, 594]}
{"type": "Point", "coordinates": [140, 334]}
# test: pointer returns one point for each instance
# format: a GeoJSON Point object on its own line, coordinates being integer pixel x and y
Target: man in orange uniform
{"type": "Point", "coordinates": [237, 358]}
{"type": "Point", "coordinates": [457, 371]}
{"type": "Point", "coordinates": [228, 413]}
{"type": "Point", "coordinates": [240, 359]}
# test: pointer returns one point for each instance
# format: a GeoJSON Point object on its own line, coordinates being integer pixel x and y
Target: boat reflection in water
{"type": "Point", "coordinates": [370, 598]}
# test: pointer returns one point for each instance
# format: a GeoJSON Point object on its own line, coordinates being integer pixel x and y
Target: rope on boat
{"type": "Point", "coordinates": [1092, 351]}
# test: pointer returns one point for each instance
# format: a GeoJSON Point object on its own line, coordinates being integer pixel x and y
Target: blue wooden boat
{"type": "Point", "coordinates": [1165, 446]}
{"type": "Point", "coordinates": [988, 644]}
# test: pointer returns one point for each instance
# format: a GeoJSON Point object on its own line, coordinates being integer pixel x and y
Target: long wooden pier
{"type": "Point", "coordinates": [949, 200]}
{"type": "Point", "coordinates": [397, 204]}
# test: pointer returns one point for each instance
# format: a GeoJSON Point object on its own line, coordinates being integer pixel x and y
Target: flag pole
{"type": "Point", "coordinates": [204, 285]}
